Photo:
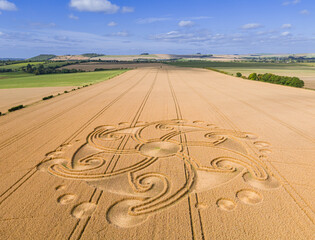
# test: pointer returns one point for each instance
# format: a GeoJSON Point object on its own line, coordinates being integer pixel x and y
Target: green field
{"type": "Point", "coordinates": [14, 75]}
{"type": "Point", "coordinates": [18, 66]}
{"type": "Point", "coordinates": [24, 80]}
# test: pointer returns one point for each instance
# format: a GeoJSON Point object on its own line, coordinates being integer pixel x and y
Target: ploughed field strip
{"type": "Point", "coordinates": [161, 153]}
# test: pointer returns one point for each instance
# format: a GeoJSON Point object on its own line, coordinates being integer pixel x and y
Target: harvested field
{"type": "Point", "coordinates": [70, 58]}
{"type": "Point", "coordinates": [16, 96]}
{"type": "Point", "coordinates": [111, 65]}
{"type": "Point", "coordinates": [161, 153]}
{"type": "Point", "coordinates": [132, 57]}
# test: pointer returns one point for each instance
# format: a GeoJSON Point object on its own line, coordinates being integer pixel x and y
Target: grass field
{"type": "Point", "coordinates": [24, 80]}
{"type": "Point", "coordinates": [14, 75]}
{"type": "Point", "coordinates": [20, 65]}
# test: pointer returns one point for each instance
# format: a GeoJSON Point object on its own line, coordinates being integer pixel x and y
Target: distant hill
{"type": "Point", "coordinates": [42, 57]}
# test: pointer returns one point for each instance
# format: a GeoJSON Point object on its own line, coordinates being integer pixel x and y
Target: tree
{"type": "Point", "coordinates": [29, 68]}
{"type": "Point", "coordinates": [41, 69]}
{"type": "Point", "coordinates": [253, 76]}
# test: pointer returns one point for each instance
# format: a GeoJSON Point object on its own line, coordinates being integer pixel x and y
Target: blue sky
{"type": "Point", "coordinates": [31, 27]}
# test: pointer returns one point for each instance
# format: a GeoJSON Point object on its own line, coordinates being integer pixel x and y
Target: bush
{"type": "Point", "coordinates": [65, 91]}
{"type": "Point", "coordinates": [253, 76]}
{"type": "Point", "coordinates": [239, 74]}
{"type": "Point", "coordinates": [49, 97]}
{"type": "Point", "coordinates": [16, 108]}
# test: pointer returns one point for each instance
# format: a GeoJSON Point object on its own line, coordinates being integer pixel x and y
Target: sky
{"type": "Point", "coordinates": [32, 27]}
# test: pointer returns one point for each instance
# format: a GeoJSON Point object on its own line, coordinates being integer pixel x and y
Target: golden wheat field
{"type": "Point", "coordinates": [161, 153]}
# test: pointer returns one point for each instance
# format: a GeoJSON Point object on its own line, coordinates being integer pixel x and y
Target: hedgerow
{"type": "Point", "coordinates": [272, 78]}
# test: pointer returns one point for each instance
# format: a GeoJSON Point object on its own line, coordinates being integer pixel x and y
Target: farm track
{"type": "Point", "coordinates": [159, 149]}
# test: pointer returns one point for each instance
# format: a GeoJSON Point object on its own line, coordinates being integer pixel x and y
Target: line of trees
{"type": "Point", "coordinates": [2, 70]}
{"type": "Point", "coordinates": [41, 69]}
{"type": "Point", "coordinates": [272, 78]}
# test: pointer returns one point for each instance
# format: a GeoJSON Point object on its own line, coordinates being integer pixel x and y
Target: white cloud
{"type": "Point", "coordinates": [112, 24]}
{"type": "Point", "coordinates": [287, 25]}
{"type": "Point", "coordinates": [94, 6]}
{"type": "Point", "coordinates": [304, 12]}
{"type": "Point", "coordinates": [127, 9]}
{"type": "Point", "coordinates": [186, 23]}
{"type": "Point", "coordinates": [71, 16]}
{"type": "Point", "coordinates": [285, 34]}
{"type": "Point", "coordinates": [189, 37]}
{"type": "Point", "coordinates": [7, 6]}
{"type": "Point", "coordinates": [252, 26]}
{"type": "Point", "coordinates": [1, 33]}
{"type": "Point", "coordinates": [151, 20]}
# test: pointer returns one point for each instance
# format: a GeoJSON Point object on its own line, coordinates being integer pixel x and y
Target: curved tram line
{"type": "Point", "coordinates": [149, 192]}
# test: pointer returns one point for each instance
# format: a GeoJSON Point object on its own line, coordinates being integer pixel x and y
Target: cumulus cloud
{"type": "Point", "coordinates": [71, 16]}
{"type": "Point", "coordinates": [112, 24]}
{"type": "Point", "coordinates": [287, 25]}
{"type": "Point", "coordinates": [285, 34]}
{"type": "Point", "coordinates": [304, 12]}
{"type": "Point", "coordinates": [251, 26]}
{"type": "Point", "coordinates": [127, 9]}
{"type": "Point", "coordinates": [7, 6]}
{"type": "Point", "coordinates": [186, 23]}
{"type": "Point", "coordinates": [94, 6]}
